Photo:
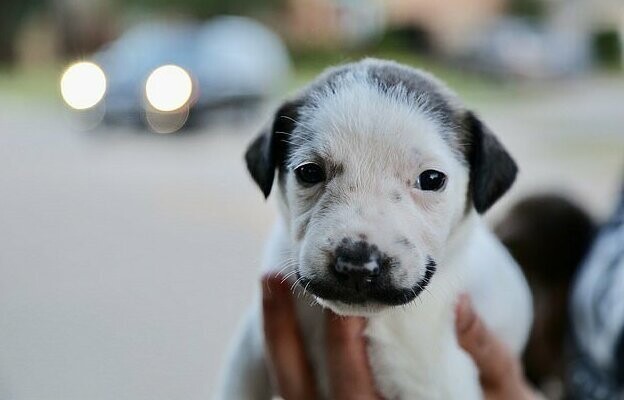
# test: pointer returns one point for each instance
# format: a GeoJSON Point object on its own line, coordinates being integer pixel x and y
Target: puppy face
{"type": "Point", "coordinates": [378, 165]}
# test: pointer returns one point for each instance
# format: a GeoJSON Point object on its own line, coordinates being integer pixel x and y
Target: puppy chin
{"type": "Point", "coordinates": [353, 310]}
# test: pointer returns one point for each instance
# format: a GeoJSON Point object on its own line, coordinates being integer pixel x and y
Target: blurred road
{"type": "Point", "coordinates": [127, 258]}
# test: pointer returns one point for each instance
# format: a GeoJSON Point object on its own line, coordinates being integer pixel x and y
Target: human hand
{"type": "Point", "coordinates": [346, 366]}
{"type": "Point", "coordinates": [500, 371]}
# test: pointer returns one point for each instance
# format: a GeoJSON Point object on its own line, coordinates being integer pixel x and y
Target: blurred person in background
{"type": "Point", "coordinates": [595, 367]}
{"type": "Point", "coordinates": [548, 235]}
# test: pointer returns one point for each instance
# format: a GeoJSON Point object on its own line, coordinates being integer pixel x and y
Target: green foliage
{"type": "Point", "coordinates": [608, 48]}
{"type": "Point", "coordinates": [12, 14]}
{"type": "Point", "coordinates": [29, 84]}
{"type": "Point", "coordinates": [406, 38]}
{"type": "Point", "coordinates": [534, 10]}
{"type": "Point", "coordinates": [207, 8]}
{"type": "Point", "coordinates": [471, 86]}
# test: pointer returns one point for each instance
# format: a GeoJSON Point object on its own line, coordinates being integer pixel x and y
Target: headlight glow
{"type": "Point", "coordinates": [83, 85]}
{"type": "Point", "coordinates": [168, 88]}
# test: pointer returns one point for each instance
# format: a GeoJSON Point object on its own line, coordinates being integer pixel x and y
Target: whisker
{"type": "Point", "coordinates": [287, 266]}
{"type": "Point", "coordinates": [305, 288]}
{"type": "Point", "coordinates": [294, 285]}
{"type": "Point", "coordinates": [290, 118]}
{"type": "Point", "coordinates": [288, 275]}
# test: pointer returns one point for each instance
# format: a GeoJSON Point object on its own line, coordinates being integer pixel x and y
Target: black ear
{"type": "Point", "coordinates": [492, 170]}
{"type": "Point", "coordinates": [268, 150]}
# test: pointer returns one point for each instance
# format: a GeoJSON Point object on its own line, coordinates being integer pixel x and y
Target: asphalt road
{"type": "Point", "coordinates": [127, 258]}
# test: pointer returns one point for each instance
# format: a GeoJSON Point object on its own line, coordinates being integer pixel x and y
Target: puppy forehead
{"type": "Point", "coordinates": [359, 117]}
{"type": "Point", "coordinates": [395, 110]}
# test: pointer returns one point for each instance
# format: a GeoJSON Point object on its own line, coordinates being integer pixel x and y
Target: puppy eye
{"type": "Point", "coordinates": [431, 180]}
{"type": "Point", "coordinates": [310, 173]}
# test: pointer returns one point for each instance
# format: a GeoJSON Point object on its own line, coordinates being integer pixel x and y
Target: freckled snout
{"type": "Point", "coordinates": [358, 264]}
{"type": "Point", "coordinates": [359, 272]}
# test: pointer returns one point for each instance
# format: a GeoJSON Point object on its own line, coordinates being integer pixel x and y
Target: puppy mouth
{"type": "Point", "coordinates": [380, 291]}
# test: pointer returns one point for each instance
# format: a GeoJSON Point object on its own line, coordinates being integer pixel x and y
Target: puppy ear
{"type": "Point", "coordinates": [492, 170]}
{"type": "Point", "coordinates": [268, 150]}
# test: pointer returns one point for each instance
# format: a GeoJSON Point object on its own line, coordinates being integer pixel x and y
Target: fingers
{"type": "Point", "coordinates": [349, 372]}
{"type": "Point", "coordinates": [500, 372]}
{"type": "Point", "coordinates": [494, 361]}
{"type": "Point", "coordinates": [291, 371]}
{"type": "Point", "coordinates": [347, 360]}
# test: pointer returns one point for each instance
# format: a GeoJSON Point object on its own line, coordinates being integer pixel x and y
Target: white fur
{"type": "Point", "coordinates": [384, 144]}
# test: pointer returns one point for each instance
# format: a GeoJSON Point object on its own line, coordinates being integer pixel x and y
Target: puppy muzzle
{"type": "Point", "coordinates": [359, 273]}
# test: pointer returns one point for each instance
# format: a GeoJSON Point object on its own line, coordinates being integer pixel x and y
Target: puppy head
{"type": "Point", "coordinates": [378, 165]}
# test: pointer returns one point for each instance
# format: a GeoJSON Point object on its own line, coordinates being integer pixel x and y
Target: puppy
{"type": "Point", "coordinates": [382, 174]}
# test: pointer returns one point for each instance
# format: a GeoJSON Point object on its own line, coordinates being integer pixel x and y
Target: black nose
{"type": "Point", "coordinates": [358, 262]}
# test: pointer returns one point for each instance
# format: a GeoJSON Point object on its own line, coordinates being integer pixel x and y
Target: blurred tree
{"type": "Point", "coordinates": [12, 14]}
{"type": "Point", "coordinates": [208, 8]}
{"type": "Point", "coordinates": [534, 10]}
{"type": "Point", "coordinates": [607, 48]}
{"type": "Point", "coordinates": [83, 25]}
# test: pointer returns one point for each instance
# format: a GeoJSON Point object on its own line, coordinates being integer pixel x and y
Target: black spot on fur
{"type": "Point", "coordinates": [405, 242]}
{"type": "Point", "coordinates": [338, 169]}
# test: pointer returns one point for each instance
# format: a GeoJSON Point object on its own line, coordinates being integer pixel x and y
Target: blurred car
{"type": "Point", "coordinates": [166, 74]}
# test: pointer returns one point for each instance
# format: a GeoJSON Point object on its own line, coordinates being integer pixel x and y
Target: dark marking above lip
{"type": "Point", "coordinates": [383, 294]}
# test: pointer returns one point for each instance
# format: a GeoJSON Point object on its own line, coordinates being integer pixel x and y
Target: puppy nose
{"type": "Point", "coordinates": [358, 261]}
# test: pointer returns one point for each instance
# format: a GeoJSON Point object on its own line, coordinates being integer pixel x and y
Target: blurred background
{"type": "Point", "coordinates": [130, 234]}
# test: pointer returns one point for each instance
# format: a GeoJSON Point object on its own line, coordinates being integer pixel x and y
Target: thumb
{"type": "Point", "coordinates": [493, 360]}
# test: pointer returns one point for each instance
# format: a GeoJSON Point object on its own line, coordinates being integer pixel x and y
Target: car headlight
{"type": "Point", "coordinates": [168, 88]}
{"type": "Point", "coordinates": [83, 85]}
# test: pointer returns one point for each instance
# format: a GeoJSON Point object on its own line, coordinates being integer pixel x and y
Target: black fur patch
{"type": "Point", "coordinates": [268, 151]}
{"type": "Point", "coordinates": [418, 86]}
{"type": "Point", "coordinates": [492, 170]}
{"type": "Point", "coordinates": [382, 291]}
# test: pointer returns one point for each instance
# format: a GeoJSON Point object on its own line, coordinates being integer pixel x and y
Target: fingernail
{"type": "Point", "coordinates": [463, 300]}
{"type": "Point", "coordinates": [462, 310]}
